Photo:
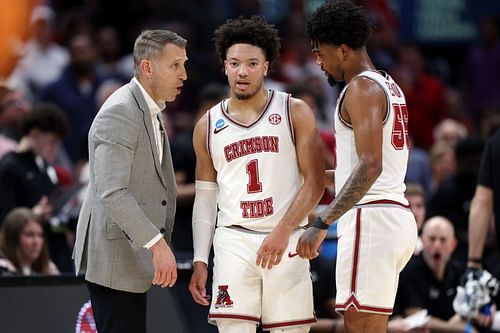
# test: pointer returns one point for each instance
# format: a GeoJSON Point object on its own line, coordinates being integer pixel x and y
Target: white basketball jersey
{"type": "Point", "coordinates": [390, 184]}
{"type": "Point", "coordinates": [256, 164]}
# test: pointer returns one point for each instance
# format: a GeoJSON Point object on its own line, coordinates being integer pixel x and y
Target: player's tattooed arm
{"type": "Point", "coordinates": [356, 186]}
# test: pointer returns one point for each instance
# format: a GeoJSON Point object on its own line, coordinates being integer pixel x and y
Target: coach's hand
{"type": "Point", "coordinates": [309, 242]}
{"type": "Point", "coordinates": [272, 248]}
{"type": "Point", "coordinates": [198, 283]}
{"type": "Point", "coordinates": [164, 265]}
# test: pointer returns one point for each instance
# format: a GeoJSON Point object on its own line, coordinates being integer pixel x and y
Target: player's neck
{"type": "Point", "coordinates": [359, 64]}
{"type": "Point", "coordinates": [246, 110]}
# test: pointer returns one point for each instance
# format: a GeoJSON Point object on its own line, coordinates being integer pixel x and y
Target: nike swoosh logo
{"type": "Point", "coordinates": [217, 130]}
{"type": "Point", "coordinates": [291, 255]}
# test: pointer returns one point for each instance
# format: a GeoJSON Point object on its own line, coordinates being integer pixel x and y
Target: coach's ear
{"type": "Point", "coordinates": [146, 67]}
{"type": "Point", "coordinates": [266, 68]}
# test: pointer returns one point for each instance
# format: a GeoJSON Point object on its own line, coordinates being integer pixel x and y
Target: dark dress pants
{"type": "Point", "coordinates": [117, 311]}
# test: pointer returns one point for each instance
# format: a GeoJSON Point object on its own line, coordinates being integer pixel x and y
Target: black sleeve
{"type": "Point", "coordinates": [485, 170]}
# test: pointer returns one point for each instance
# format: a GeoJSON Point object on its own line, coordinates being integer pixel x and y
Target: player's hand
{"type": "Point", "coordinates": [164, 265]}
{"type": "Point", "coordinates": [198, 283]}
{"type": "Point", "coordinates": [309, 242]}
{"type": "Point", "coordinates": [272, 248]}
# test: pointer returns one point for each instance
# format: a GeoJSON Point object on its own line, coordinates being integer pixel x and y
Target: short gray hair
{"type": "Point", "coordinates": [150, 43]}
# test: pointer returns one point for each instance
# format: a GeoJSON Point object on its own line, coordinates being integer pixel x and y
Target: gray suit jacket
{"type": "Point", "coordinates": [130, 197]}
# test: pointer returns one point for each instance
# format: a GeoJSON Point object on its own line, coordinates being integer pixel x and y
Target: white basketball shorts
{"type": "Point", "coordinates": [375, 243]}
{"type": "Point", "coordinates": [278, 298]}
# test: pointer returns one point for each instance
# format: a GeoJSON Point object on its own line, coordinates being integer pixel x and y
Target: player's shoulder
{"type": "Point", "coordinates": [363, 89]}
{"type": "Point", "coordinates": [298, 105]}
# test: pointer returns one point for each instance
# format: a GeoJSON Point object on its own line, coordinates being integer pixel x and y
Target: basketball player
{"type": "Point", "coordinates": [260, 160]}
{"type": "Point", "coordinates": [377, 231]}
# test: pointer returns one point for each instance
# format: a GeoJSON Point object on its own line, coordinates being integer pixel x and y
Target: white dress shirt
{"type": "Point", "coordinates": [154, 110]}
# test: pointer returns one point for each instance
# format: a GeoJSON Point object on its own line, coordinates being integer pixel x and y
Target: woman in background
{"type": "Point", "coordinates": [23, 250]}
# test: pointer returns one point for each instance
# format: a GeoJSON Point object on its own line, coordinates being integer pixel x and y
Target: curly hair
{"type": "Point", "coordinates": [46, 117]}
{"type": "Point", "coordinates": [254, 31]}
{"type": "Point", "coordinates": [340, 22]}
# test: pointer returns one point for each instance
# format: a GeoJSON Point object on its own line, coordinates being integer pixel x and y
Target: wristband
{"type": "Point", "coordinates": [319, 224]}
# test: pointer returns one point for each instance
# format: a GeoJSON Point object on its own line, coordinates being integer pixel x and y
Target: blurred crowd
{"type": "Point", "coordinates": [68, 59]}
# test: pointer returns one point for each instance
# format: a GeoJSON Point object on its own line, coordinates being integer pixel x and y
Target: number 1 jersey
{"type": "Point", "coordinates": [256, 164]}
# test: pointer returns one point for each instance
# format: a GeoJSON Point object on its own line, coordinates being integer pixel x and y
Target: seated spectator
{"type": "Point", "coordinates": [429, 281]}
{"type": "Point", "coordinates": [29, 179]}
{"type": "Point", "coordinates": [450, 131]}
{"type": "Point", "coordinates": [13, 106]}
{"type": "Point", "coordinates": [23, 250]}
{"type": "Point", "coordinates": [43, 60]}
{"type": "Point", "coordinates": [443, 163]}
{"type": "Point", "coordinates": [75, 92]}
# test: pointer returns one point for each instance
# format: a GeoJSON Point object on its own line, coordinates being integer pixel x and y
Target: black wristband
{"type": "Point", "coordinates": [475, 260]}
{"type": "Point", "coordinates": [319, 224]}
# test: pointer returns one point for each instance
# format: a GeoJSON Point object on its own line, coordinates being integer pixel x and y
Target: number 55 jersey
{"type": "Point", "coordinates": [390, 184]}
{"type": "Point", "coordinates": [256, 164]}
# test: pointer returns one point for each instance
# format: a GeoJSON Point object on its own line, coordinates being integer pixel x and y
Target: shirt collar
{"type": "Point", "coordinates": [154, 108]}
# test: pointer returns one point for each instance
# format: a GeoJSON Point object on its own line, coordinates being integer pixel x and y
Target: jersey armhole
{"type": "Point", "coordinates": [289, 117]}
{"type": "Point", "coordinates": [209, 126]}
{"type": "Point", "coordinates": [387, 99]}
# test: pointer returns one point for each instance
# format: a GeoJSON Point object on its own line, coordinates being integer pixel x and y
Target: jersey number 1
{"type": "Point", "coordinates": [400, 127]}
{"type": "Point", "coordinates": [254, 185]}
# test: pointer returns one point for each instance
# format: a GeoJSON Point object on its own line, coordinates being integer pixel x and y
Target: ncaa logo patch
{"type": "Point", "coordinates": [275, 119]}
{"type": "Point", "coordinates": [219, 123]}
{"type": "Point", "coordinates": [223, 298]}
{"type": "Point", "coordinates": [219, 126]}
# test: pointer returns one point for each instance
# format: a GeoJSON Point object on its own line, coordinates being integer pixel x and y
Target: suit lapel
{"type": "Point", "coordinates": [143, 106]}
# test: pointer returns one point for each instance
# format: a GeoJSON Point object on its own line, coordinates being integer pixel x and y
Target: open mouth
{"type": "Point", "coordinates": [242, 84]}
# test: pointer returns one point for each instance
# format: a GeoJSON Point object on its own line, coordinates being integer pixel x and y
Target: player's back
{"type": "Point", "coordinates": [256, 164]}
{"type": "Point", "coordinates": [390, 183]}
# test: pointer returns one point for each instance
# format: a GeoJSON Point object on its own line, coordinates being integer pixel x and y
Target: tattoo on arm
{"type": "Point", "coordinates": [353, 190]}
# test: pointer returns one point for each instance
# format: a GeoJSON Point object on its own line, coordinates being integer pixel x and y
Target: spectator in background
{"type": "Point", "coordinates": [75, 92]}
{"type": "Point", "coordinates": [110, 61]}
{"type": "Point", "coordinates": [425, 94]}
{"type": "Point", "coordinates": [13, 106]}
{"type": "Point", "coordinates": [443, 165]}
{"type": "Point", "coordinates": [450, 131]}
{"type": "Point", "coordinates": [23, 249]}
{"type": "Point", "coordinates": [43, 60]}
{"type": "Point", "coordinates": [430, 279]}
{"type": "Point", "coordinates": [28, 178]}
